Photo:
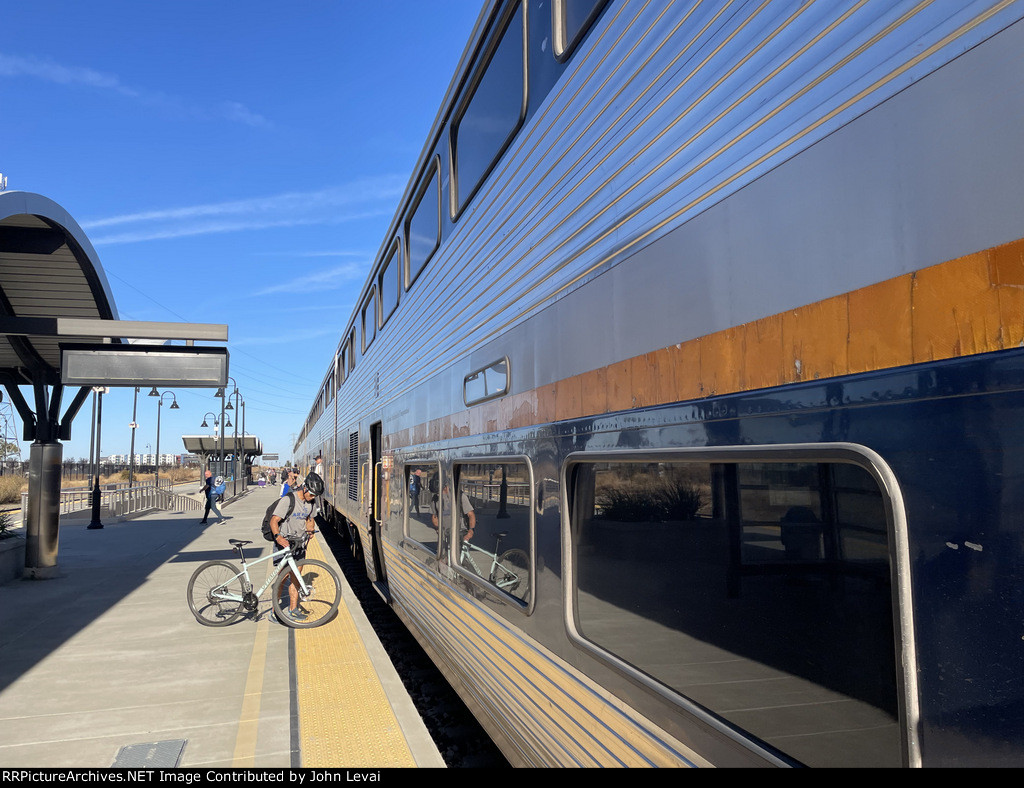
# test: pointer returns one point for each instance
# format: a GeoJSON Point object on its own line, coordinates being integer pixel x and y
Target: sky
{"type": "Point", "coordinates": [231, 162]}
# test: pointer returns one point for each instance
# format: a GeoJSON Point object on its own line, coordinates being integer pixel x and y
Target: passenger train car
{"type": "Point", "coordinates": [681, 416]}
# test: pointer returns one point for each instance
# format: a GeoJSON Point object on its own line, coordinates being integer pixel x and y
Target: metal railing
{"type": "Point", "coordinates": [120, 500]}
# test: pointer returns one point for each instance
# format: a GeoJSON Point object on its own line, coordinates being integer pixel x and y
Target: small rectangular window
{"type": "Point", "coordinates": [570, 21]}
{"type": "Point", "coordinates": [490, 117]}
{"type": "Point", "coordinates": [422, 484]}
{"type": "Point", "coordinates": [351, 352]}
{"type": "Point", "coordinates": [369, 319]}
{"type": "Point", "coordinates": [389, 285]}
{"type": "Point", "coordinates": [423, 228]}
{"type": "Point", "coordinates": [758, 589]}
{"type": "Point", "coordinates": [487, 383]}
{"type": "Point", "coordinates": [493, 524]}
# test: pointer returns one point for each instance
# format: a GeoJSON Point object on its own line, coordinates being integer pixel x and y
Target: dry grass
{"type": "Point", "coordinates": [11, 487]}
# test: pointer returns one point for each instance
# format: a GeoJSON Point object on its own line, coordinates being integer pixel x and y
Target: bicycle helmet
{"type": "Point", "coordinates": [314, 484]}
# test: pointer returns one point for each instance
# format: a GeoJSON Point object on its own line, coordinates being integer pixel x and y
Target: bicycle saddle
{"type": "Point", "coordinates": [238, 542]}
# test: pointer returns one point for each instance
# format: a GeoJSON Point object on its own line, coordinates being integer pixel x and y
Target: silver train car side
{"type": "Point", "coordinates": [681, 415]}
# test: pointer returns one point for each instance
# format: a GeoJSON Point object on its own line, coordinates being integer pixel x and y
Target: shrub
{"type": "Point", "coordinates": [6, 524]}
{"type": "Point", "coordinates": [670, 500]}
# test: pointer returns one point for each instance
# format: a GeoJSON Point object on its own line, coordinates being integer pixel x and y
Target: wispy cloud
{"type": "Point", "coordinates": [49, 71]}
{"type": "Point", "coordinates": [367, 198]}
{"type": "Point", "coordinates": [328, 279]}
{"type": "Point", "coordinates": [286, 337]}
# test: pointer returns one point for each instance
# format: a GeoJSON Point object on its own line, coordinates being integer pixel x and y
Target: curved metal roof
{"type": "Point", "coordinates": [48, 269]}
{"type": "Point", "coordinates": [209, 444]}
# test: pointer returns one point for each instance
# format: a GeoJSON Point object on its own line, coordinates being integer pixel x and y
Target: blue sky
{"type": "Point", "coordinates": [231, 162]}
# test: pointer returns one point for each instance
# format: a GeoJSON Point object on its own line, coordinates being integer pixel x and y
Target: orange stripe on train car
{"type": "Point", "coordinates": [973, 304]}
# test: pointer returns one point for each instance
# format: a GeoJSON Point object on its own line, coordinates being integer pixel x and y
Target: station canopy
{"type": "Point", "coordinates": [58, 322]}
{"type": "Point", "coordinates": [210, 445]}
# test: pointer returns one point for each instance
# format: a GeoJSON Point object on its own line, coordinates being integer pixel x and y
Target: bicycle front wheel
{"type": "Point", "coordinates": [317, 606]}
{"type": "Point", "coordinates": [215, 594]}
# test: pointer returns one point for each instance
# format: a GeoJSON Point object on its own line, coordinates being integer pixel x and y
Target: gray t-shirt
{"type": "Point", "coordinates": [296, 524]}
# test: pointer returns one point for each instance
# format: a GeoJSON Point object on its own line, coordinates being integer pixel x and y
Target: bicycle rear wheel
{"type": "Point", "coordinates": [215, 594]}
{"type": "Point", "coordinates": [315, 608]}
{"type": "Point", "coordinates": [514, 571]}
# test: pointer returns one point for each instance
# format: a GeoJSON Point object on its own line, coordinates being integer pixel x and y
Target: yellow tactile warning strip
{"type": "Point", "coordinates": [973, 304]}
{"type": "Point", "coordinates": [345, 719]}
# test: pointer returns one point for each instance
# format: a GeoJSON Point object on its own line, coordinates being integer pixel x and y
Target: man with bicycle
{"type": "Point", "coordinates": [292, 523]}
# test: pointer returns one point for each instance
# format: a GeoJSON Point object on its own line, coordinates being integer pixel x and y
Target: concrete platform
{"type": "Point", "coordinates": [107, 655]}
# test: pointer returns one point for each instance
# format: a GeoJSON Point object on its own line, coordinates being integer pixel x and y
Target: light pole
{"type": "Point", "coordinates": [234, 451]}
{"type": "Point", "coordinates": [134, 426]}
{"type": "Point", "coordinates": [223, 401]}
{"type": "Point", "coordinates": [206, 426]}
{"type": "Point", "coordinates": [245, 470]}
{"type": "Point", "coordinates": [159, 407]}
{"type": "Point", "coordinates": [97, 402]}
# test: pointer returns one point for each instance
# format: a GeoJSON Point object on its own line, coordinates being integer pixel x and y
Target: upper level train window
{"type": "Point", "coordinates": [350, 349]}
{"type": "Point", "coordinates": [570, 19]}
{"type": "Point", "coordinates": [487, 383]}
{"type": "Point", "coordinates": [758, 589]}
{"type": "Point", "coordinates": [369, 319]}
{"type": "Point", "coordinates": [493, 525]}
{"type": "Point", "coordinates": [389, 284]}
{"type": "Point", "coordinates": [423, 228]}
{"type": "Point", "coordinates": [490, 116]}
{"type": "Point", "coordinates": [423, 488]}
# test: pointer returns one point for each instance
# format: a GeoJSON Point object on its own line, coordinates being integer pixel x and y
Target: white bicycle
{"type": "Point", "coordinates": [218, 593]}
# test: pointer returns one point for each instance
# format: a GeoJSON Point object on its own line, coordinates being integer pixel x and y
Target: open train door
{"type": "Point", "coordinates": [378, 499]}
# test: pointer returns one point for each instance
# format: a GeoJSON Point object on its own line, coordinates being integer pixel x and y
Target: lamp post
{"type": "Point", "coordinates": [131, 457]}
{"type": "Point", "coordinates": [245, 470]}
{"type": "Point", "coordinates": [223, 401]}
{"type": "Point", "coordinates": [204, 426]}
{"type": "Point", "coordinates": [159, 407]}
{"type": "Point", "coordinates": [98, 392]}
{"type": "Point", "coordinates": [234, 450]}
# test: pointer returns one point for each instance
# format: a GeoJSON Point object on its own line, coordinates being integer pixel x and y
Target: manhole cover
{"type": "Point", "coordinates": [158, 754]}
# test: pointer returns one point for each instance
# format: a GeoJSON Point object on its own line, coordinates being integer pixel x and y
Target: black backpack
{"type": "Point", "coordinates": [267, 533]}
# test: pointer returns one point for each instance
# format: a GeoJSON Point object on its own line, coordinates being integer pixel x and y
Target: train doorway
{"type": "Point", "coordinates": [377, 511]}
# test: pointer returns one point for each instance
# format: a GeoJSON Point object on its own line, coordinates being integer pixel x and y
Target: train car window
{"type": "Point", "coordinates": [389, 284]}
{"type": "Point", "coordinates": [369, 319]}
{"type": "Point", "coordinates": [351, 350]}
{"type": "Point", "coordinates": [423, 228]}
{"type": "Point", "coordinates": [494, 524]}
{"type": "Point", "coordinates": [759, 590]}
{"type": "Point", "coordinates": [489, 118]}
{"type": "Point", "coordinates": [422, 482]}
{"type": "Point", "coordinates": [486, 383]}
{"type": "Point", "coordinates": [570, 20]}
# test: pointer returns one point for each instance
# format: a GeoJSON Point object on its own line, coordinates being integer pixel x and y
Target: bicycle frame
{"type": "Point", "coordinates": [511, 577]}
{"type": "Point", "coordinates": [289, 564]}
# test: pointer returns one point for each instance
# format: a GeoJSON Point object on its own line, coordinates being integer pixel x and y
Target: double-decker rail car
{"type": "Point", "coordinates": [682, 414]}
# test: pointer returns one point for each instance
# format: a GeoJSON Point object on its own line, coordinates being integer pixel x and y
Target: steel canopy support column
{"type": "Point", "coordinates": [43, 504]}
{"type": "Point", "coordinates": [43, 509]}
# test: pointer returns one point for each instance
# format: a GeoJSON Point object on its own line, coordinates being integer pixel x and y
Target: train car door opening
{"type": "Point", "coordinates": [377, 513]}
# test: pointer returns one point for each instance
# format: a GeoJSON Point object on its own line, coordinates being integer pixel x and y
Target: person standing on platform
{"type": "Point", "coordinates": [211, 500]}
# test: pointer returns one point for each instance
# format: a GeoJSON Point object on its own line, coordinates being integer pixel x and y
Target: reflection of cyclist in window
{"type": "Point", "coordinates": [468, 516]}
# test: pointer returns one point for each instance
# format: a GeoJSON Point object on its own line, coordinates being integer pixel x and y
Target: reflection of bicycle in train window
{"type": "Point", "coordinates": [509, 571]}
